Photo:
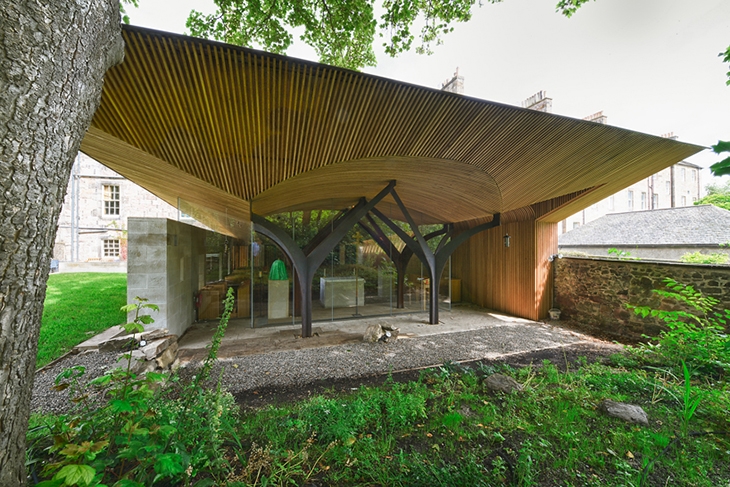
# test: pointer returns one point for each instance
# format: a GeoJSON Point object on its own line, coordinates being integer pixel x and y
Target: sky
{"type": "Point", "coordinates": [650, 65]}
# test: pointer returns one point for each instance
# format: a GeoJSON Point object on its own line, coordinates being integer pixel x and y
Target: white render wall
{"type": "Point", "coordinates": [166, 265]}
{"type": "Point", "coordinates": [686, 191]}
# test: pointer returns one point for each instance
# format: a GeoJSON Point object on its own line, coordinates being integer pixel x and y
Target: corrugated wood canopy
{"type": "Point", "coordinates": [228, 130]}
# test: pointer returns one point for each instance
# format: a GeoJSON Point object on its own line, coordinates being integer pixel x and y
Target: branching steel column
{"type": "Point", "coordinates": [434, 261]}
{"type": "Point", "coordinates": [399, 258]}
{"type": "Point", "coordinates": [306, 264]}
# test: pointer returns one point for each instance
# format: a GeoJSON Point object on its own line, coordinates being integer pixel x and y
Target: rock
{"type": "Point", "coordinates": [139, 364]}
{"type": "Point", "coordinates": [502, 383]}
{"type": "Point", "coordinates": [117, 344]}
{"type": "Point", "coordinates": [621, 410]}
{"type": "Point", "coordinates": [373, 333]}
{"type": "Point", "coordinates": [380, 333]}
{"type": "Point", "coordinates": [168, 356]}
{"type": "Point", "coordinates": [390, 334]}
{"type": "Point", "coordinates": [157, 347]}
{"type": "Point", "coordinates": [152, 334]}
{"type": "Point", "coordinates": [94, 342]}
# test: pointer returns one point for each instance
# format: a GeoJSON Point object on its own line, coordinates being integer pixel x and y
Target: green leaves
{"type": "Point", "coordinates": [569, 7]}
{"type": "Point", "coordinates": [168, 465]}
{"type": "Point", "coordinates": [726, 59]}
{"type": "Point", "coordinates": [342, 32]}
{"type": "Point", "coordinates": [723, 167]}
{"type": "Point", "coordinates": [76, 475]}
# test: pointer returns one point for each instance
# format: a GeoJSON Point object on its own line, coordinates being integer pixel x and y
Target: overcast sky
{"type": "Point", "coordinates": [650, 65]}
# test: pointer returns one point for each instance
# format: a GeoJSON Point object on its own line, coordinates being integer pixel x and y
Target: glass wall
{"type": "Point", "coordinates": [357, 278]}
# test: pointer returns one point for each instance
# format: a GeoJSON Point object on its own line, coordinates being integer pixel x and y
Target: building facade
{"type": "Point", "coordinates": [92, 227]}
{"type": "Point", "coordinates": [674, 187]}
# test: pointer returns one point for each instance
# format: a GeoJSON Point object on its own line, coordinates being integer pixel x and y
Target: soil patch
{"type": "Point", "coordinates": [562, 357]}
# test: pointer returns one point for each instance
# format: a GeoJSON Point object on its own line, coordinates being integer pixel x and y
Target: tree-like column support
{"type": "Point", "coordinates": [434, 261]}
{"type": "Point", "coordinates": [399, 258]}
{"type": "Point", "coordinates": [306, 261]}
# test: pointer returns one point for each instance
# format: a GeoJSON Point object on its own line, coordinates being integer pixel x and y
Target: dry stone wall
{"type": "Point", "coordinates": [592, 293]}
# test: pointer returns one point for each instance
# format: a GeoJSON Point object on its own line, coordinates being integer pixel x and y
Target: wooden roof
{"type": "Point", "coordinates": [222, 131]}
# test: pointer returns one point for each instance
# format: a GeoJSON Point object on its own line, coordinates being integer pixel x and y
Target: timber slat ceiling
{"type": "Point", "coordinates": [275, 134]}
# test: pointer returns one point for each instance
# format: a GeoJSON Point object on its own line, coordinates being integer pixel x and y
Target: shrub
{"type": "Point", "coordinates": [130, 431]}
{"type": "Point", "coordinates": [700, 258]}
{"type": "Point", "coordinates": [696, 335]}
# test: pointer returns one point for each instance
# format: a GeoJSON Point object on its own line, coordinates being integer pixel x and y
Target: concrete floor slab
{"type": "Point", "coordinates": [240, 339]}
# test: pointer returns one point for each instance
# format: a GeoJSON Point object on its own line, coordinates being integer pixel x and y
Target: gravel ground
{"type": "Point", "coordinates": [301, 367]}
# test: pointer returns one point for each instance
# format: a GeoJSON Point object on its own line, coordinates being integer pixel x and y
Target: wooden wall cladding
{"type": "Point", "coordinates": [515, 280]}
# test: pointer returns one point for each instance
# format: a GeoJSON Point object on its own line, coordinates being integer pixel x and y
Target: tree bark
{"type": "Point", "coordinates": [53, 56]}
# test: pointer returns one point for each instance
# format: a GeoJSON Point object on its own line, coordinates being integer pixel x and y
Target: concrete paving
{"type": "Point", "coordinates": [241, 340]}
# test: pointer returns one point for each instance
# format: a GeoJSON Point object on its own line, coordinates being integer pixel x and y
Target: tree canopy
{"type": "Point", "coordinates": [718, 195]}
{"type": "Point", "coordinates": [342, 32]}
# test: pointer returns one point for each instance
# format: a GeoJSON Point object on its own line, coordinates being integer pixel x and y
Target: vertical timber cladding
{"type": "Point", "coordinates": [517, 279]}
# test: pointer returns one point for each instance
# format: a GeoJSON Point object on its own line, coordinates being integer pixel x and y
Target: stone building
{"type": "Point", "coordinates": [673, 187]}
{"type": "Point", "coordinates": [92, 227]}
{"type": "Point", "coordinates": [663, 234]}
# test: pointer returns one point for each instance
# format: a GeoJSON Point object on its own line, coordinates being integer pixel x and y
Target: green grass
{"type": "Point", "coordinates": [447, 429]}
{"type": "Point", "coordinates": [77, 306]}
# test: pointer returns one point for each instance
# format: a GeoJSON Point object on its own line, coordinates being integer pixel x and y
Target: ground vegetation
{"type": "Point", "coordinates": [440, 426]}
{"type": "Point", "coordinates": [78, 306]}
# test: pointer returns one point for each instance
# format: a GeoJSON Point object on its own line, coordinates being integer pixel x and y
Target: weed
{"type": "Point", "coordinates": [126, 430]}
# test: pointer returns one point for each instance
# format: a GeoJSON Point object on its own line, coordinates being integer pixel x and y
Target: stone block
{"type": "Point", "coordinates": [156, 347]}
{"type": "Point", "coordinates": [118, 343]}
{"type": "Point", "coordinates": [628, 412]}
{"type": "Point", "coordinates": [168, 356]}
{"type": "Point", "coordinates": [94, 342]}
{"type": "Point", "coordinates": [502, 383]}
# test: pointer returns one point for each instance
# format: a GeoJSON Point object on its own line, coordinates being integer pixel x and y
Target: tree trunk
{"type": "Point", "coordinates": [53, 56]}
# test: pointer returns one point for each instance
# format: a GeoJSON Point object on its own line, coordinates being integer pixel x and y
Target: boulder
{"type": "Point", "coordinates": [502, 383]}
{"type": "Point", "coordinates": [139, 364]}
{"type": "Point", "coordinates": [152, 334]}
{"type": "Point", "coordinates": [373, 333]}
{"type": "Point", "coordinates": [380, 333]}
{"type": "Point", "coordinates": [628, 412]}
{"type": "Point", "coordinates": [390, 334]}
{"type": "Point", "coordinates": [168, 356]}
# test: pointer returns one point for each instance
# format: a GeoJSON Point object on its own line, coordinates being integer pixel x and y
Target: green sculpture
{"type": "Point", "coordinates": [278, 271]}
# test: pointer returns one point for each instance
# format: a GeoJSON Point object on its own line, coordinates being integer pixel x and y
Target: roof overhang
{"type": "Point", "coordinates": [220, 130]}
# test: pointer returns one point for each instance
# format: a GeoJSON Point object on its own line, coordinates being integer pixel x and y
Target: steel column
{"type": "Point", "coordinates": [306, 264]}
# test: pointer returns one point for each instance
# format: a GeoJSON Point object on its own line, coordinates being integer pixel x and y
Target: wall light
{"type": "Point", "coordinates": [506, 239]}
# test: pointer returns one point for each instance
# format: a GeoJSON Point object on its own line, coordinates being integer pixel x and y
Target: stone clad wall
{"type": "Point", "coordinates": [592, 293]}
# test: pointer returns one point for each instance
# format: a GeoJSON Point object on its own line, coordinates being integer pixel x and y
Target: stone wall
{"type": "Point", "coordinates": [664, 252]}
{"type": "Point", "coordinates": [92, 226]}
{"type": "Point", "coordinates": [592, 293]}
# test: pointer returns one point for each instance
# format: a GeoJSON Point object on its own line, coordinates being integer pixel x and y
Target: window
{"type": "Point", "coordinates": [684, 201]}
{"type": "Point", "coordinates": [111, 199]}
{"type": "Point", "coordinates": [668, 185]}
{"type": "Point", "coordinates": [631, 200]}
{"type": "Point", "coordinates": [611, 203]}
{"type": "Point", "coordinates": [655, 201]}
{"type": "Point", "coordinates": [693, 172]}
{"type": "Point", "coordinates": [111, 247]}
{"type": "Point", "coordinates": [684, 174]}
{"type": "Point", "coordinates": [643, 200]}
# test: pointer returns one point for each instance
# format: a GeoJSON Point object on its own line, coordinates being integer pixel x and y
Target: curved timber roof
{"type": "Point", "coordinates": [221, 131]}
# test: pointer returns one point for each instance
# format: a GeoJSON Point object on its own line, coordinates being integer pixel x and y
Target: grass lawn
{"type": "Point", "coordinates": [77, 306]}
{"type": "Point", "coordinates": [448, 429]}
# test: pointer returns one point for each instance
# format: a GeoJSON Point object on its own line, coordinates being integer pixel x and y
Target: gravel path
{"type": "Point", "coordinates": [301, 367]}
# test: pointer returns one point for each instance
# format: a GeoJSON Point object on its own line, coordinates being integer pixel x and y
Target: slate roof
{"type": "Point", "coordinates": [688, 225]}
